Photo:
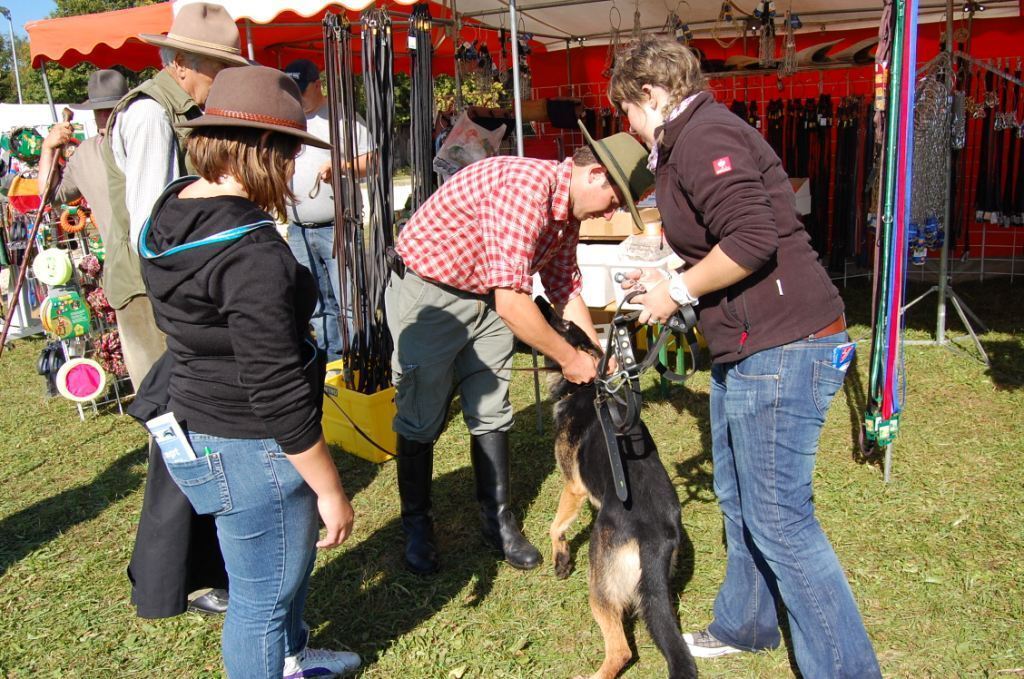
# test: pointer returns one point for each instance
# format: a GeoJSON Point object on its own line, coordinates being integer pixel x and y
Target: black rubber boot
{"type": "Point", "coordinates": [415, 467]}
{"type": "Point", "coordinates": [490, 464]}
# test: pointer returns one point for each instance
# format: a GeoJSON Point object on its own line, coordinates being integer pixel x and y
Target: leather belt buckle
{"type": "Point", "coordinates": [832, 328]}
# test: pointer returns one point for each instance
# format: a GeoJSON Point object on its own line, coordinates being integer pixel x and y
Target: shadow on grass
{"type": "Point", "coordinates": [1006, 363]}
{"type": "Point", "coordinates": [368, 596]}
{"type": "Point", "coordinates": [25, 531]}
{"type": "Point", "coordinates": [856, 395]}
{"type": "Point", "coordinates": [997, 303]}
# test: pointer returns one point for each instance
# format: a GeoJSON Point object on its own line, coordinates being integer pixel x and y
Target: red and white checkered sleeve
{"type": "Point", "coordinates": [510, 221]}
{"type": "Point", "coordinates": [561, 275]}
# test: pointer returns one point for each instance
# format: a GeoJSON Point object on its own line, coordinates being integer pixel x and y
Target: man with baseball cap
{"type": "Point", "coordinates": [311, 216]}
{"type": "Point", "coordinates": [84, 174]}
{"type": "Point", "coordinates": [468, 259]}
{"type": "Point", "coordinates": [176, 551]}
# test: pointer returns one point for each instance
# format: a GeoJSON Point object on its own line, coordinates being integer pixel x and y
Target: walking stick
{"type": "Point", "coordinates": [23, 269]}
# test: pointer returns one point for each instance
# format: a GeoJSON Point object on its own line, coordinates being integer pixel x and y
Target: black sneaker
{"type": "Point", "coordinates": [213, 602]}
{"type": "Point", "coordinates": [703, 645]}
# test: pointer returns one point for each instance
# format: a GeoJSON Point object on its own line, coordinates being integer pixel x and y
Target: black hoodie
{"type": "Point", "coordinates": [236, 314]}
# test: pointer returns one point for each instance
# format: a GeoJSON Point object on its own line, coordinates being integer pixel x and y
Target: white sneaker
{"type": "Point", "coordinates": [319, 663]}
{"type": "Point", "coordinates": [703, 645]}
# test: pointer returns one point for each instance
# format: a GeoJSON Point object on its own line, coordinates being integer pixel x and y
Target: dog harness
{"type": "Point", "coordinates": [619, 397]}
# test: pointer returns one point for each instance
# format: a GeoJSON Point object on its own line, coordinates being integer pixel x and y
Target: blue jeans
{"type": "Point", "coordinates": [314, 249]}
{"type": "Point", "coordinates": [767, 412]}
{"type": "Point", "coordinates": [267, 526]}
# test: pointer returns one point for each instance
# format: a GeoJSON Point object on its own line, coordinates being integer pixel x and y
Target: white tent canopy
{"type": "Point", "coordinates": [553, 22]}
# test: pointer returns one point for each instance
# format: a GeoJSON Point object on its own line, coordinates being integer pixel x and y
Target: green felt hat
{"type": "Point", "coordinates": [625, 160]}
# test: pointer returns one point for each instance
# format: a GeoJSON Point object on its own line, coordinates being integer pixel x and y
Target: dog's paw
{"type": "Point", "coordinates": [563, 565]}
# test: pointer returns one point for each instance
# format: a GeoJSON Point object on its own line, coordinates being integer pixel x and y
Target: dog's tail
{"type": "Point", "coordinates": [660, 615]}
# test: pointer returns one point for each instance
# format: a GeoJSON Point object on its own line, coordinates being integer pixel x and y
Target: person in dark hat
{"type": "Point", "coordinates": [84, 174]}
{"type": "Point", "coordinates": [469, 256]}
{"type": "Point", "coordinates": [311, 214]}
{"type": "Point", "coordinates": [176, 555]}
{"type": "Point", "coordinates": [248, 380]}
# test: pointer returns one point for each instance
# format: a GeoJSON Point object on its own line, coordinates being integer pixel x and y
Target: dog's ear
{"type": "Point", "coordinates": [545, 307]}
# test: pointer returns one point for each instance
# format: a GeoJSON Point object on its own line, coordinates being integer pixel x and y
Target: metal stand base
{"type": "Point", "coordinates": [963, 311]}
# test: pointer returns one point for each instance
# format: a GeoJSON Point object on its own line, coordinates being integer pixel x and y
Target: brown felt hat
{"type": "Point", "coordinates": [256, 96]}
{"type": "Point", "coordinates": [106, 87]}
{"type": "Point", "coordinates": [625, 161]}
{"type": "Point", "coordinates": [204, 29]}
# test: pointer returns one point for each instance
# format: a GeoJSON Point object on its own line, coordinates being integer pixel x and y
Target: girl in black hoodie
{"type": "Point", "coordinates": [247, 381]}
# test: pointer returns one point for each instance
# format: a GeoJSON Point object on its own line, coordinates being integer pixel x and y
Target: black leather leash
{"type": "Point", "coordinates": [619, 397]}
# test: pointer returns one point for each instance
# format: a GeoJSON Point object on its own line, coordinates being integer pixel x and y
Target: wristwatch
{"type": "Point", "coordinates": [678, 291]}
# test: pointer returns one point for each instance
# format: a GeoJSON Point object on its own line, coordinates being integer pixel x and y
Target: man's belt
{"type": "Point", "coordinates": [394, 261]}
{"type": "Point", "coordinates": [313, 225]}
{"type": "Point", "coordinates": [833, 328]}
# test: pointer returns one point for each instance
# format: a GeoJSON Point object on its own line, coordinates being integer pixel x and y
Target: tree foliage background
{"type": "Point", "coordinates": [67, 85]}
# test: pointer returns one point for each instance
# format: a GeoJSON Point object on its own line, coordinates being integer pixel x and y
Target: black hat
{"type": "Point", "coordinates": [303, 72]}
{"type": "Point", "coordinates": [106, 87]}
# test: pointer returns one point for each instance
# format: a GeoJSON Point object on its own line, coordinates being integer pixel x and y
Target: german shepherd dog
{"type": "Point", "coordinates": [632, 546]}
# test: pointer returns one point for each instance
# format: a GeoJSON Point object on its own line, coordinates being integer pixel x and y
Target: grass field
{"type": "Point", "coordinates": [935, 558]}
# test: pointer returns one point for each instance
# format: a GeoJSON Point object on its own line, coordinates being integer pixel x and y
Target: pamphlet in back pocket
{"type": "Point", "coordinates": [843, 355]}
{"type": "Point", "coordinates": [174, 445]}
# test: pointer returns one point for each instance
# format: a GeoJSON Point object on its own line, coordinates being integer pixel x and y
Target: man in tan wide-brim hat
{"type": "Point", "coordinates": [176, 551]}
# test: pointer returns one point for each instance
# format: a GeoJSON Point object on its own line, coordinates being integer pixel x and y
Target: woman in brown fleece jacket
{"type": "Point", "coordinates": [774, 324]}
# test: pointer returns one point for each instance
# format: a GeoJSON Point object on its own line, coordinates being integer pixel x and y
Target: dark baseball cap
{"type": "Point", "coordinates": [303, 72]}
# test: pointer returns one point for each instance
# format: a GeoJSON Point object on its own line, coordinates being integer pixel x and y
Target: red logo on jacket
{"type": "Point", "coordinates": [722, 165]}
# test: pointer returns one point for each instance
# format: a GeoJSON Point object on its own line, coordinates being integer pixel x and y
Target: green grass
{"type": "Point", "coordinates": [935, 558]}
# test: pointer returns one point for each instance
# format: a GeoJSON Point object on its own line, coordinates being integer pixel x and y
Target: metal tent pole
{"type": "Point", "coordinates": [46, 88]}
{"type": "Point", "coordinates": [459, 104]}
{"type": "Point", "coordinates": [940, 322]}
{"type": "Point", "coordinates": [248, 40]}
{"type": "Point", "coordinates": [14, 54]}
{"type": "Point", "coordinates": [943, 288]}
{"type": "Point", "coordinates": [517, 95]}
{"type": "Point", "coordinates": [517, 99]}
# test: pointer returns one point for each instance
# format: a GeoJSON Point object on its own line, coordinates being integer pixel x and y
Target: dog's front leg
{"type": "Point", "coordinates": [569, 505]}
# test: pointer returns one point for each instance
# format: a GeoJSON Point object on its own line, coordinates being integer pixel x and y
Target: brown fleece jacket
{"type": "Point", "coordinates": [720, 183]}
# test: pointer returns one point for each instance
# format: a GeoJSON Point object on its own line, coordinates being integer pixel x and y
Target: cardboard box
{"type": "Point", "coordinates": [618, 227]}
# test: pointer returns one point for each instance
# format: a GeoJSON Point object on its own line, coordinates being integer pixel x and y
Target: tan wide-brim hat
{"type": "Point", "coordinates": [203, 29]}
{"type": "Point", "coordinates": [625, 160]}
{"type": "Point", "coordinates": [256, 96]}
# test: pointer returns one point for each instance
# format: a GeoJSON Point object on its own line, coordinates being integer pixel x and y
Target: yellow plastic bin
{"type": "Point", "coordinates": [345, 410]}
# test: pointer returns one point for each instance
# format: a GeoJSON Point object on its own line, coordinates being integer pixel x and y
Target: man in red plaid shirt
{"type": "Point", "coordinates": [469, 254]}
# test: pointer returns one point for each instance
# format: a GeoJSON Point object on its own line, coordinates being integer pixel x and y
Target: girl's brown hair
{"type": "Point", "coordinates": [260, 160]}
{"type": "Point", "coordinates": [659, 61]}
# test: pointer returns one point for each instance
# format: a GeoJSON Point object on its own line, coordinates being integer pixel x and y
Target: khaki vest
{"type": "Point", "coordinates": [122, 276]}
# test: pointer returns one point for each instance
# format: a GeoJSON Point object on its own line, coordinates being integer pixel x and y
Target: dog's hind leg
{"type": "Point", "coordinates": [616, 647]}
{"type": "Point", "coordinates": [569, 504]}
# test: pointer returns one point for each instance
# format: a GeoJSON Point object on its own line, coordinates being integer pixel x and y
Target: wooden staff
{"type": "Point", "coordinates": [47, 196]}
